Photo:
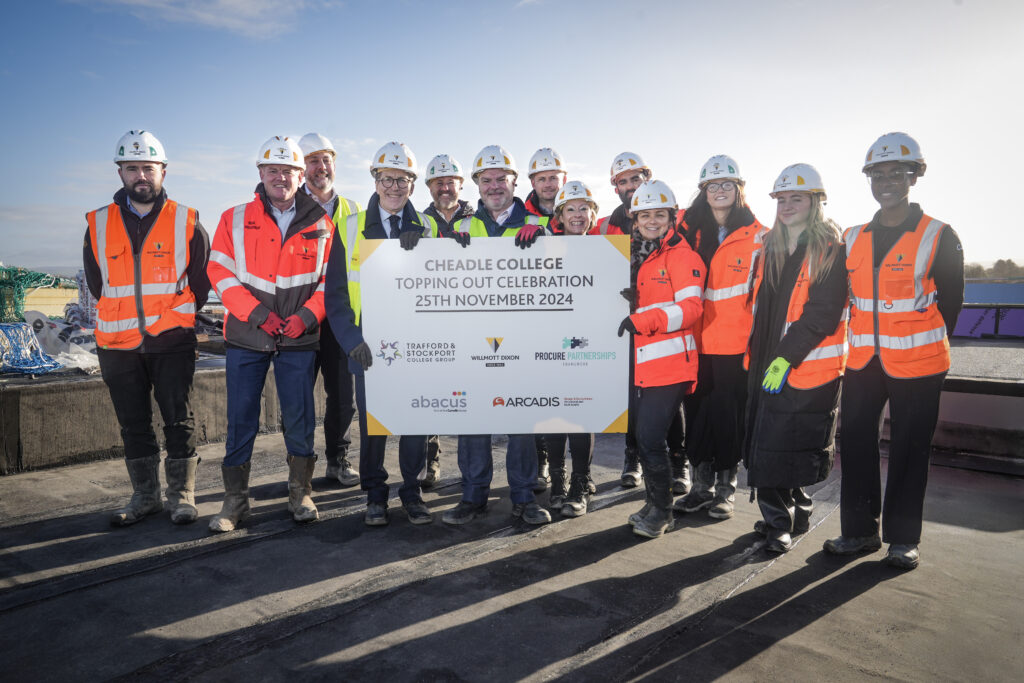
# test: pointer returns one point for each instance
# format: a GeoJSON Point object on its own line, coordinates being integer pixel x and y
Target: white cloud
{"type": "Point", "coordinates": [251, 18]}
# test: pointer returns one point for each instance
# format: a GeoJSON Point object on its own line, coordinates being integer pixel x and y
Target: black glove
{"type": "Point", "coordinates": [409, 239]}
{"type": "Point", "coordinates": [462, 238]}
{"type": "Point", "coordinates": [527, 235]}
{"type": "Point", "coordinates": [362, 355]}
{"type": "Point", "coordinates": [627, 326]}
{"type": "Point", "coordinates": [628, 294]}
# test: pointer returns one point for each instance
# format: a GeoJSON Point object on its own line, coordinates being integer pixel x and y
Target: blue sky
{"type": "Point", "coordinates": [770, 83]}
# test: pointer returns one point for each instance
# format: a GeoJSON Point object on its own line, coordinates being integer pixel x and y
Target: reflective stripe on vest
{"type": "Point", "coordinates": [666, 347]}
{"type": "Point", "coordinates": [728, 315]}
{"type": "Point", "coordinates": [894, 314]}
{"type": "Point", "coordinates": [155, 306]}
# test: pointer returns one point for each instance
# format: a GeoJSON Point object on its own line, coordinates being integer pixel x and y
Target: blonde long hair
{"type": "Point", "coordinates": [822, 236]}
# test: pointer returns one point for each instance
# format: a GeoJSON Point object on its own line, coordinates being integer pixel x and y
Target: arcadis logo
{"type": "Point", "coordinates": [525, 402]}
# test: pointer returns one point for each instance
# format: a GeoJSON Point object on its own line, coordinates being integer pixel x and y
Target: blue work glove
{"type": "Point", "coordinates": [775, 376]}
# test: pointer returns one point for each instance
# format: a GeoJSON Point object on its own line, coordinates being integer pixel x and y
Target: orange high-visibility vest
{"type": "Point", "coordinates": [826, 361]}
{"type": "Point", "coordinates": [150, 293]}
{"type": "Point", "coordinates": [910, 335]}
{"type": "Point", "coordinates": [605, 227]}
{"type": "Point", "coordinates": [728, 306]}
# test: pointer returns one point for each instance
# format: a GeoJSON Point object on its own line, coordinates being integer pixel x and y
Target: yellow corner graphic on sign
{"type": "Point", "coordinates": [375, 428]}
{"type": "Point", "coordinates": [367, 248]}
{"type": "Point", "coordinates": [619, 425]}
{"type": "Point", "coordinates": [620, 242]}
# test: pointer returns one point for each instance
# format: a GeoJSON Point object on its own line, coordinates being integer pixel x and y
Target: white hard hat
{"type": "Point", "coordinates": [444, 166]}
{"type": "Point", "coordinates": [545, 159]}
{"type": "Point", "coordinates": [627, 161]}
{"type": "Point", "coordinates": [720, 167]}
{"type": "Point", "coordinates": [311, 143]}
{"type": "Point", "coordinates": [494, 156]}
{"type": "Point", "coordinates": [574, 189]}
{"type": "Point", "coordinates": [799, 178]}
{"type": "Point", "coordinates": [895, 147]}
{"type": "Point", "coordinates": [652, 194]}
{"type": "Point", "coordinates": [139, 145]}
{"type": "Point", "coordinates": [280, 150]}
{"type": "Point", "coordinates": [394, 155]}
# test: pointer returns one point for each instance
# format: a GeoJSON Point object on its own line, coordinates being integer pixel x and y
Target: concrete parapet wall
{"type": "Point", "coordinates": [56, 423]}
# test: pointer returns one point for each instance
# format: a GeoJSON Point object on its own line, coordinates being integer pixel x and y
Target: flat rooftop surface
{"type": "Point", "coordinates": [580, 599]}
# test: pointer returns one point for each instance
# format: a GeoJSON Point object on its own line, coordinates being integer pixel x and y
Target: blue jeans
{"type": "Point", "coordinates": [477, 467]}
{"type": "Point", "coordinates": [373, 477]}
{"type": "Point", "coordinates": [246, 375]}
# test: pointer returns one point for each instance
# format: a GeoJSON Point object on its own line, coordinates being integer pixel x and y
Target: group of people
{"type": "Point", "coordinates": [745, 340]}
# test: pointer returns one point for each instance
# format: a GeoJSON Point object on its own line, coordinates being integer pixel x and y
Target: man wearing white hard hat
{"type": "Point", "coordinates": [627, 173]}
{"type": "Point", "coordinates": [547, 175]}
{"type": "Point", "coordinates": [267, 263]}
{"type": "Point", "coordinates": [444, 178]}
{"type": "Point", "coordinates": [389, 215]}
{"type": "Point", "coordinates": [145, 263]}
{"type": "Point", "coordinates": [319, 155]}
{"type": "Point", "coordinates": [500, 214]}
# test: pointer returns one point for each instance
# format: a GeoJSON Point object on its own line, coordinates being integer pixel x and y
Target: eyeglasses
{"type": "Point", "coordinates": [877, 176]}
{"type": "Point", "coordinates": [728, 186]}
{"type": "Point", "coordinates": [388, 181]}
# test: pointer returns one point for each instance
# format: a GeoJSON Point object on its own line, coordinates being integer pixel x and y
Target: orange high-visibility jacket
{"type": "Point", "coordinates": [668, 288]}
{"type": "Point", "coordinates": [605, 227]}
{"type": "Point", "coordinates": [250, 266]}
{"type": "Point", "coordinates": [728, 306]}
{"type": "Point", "coordinates": [150, 294]}
{"type": "Point", "coordinates": [910, 334]}
{"type": "Point", "coordinates": [826, 361]}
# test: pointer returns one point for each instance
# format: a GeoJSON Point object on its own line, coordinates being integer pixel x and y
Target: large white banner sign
{"type": "Point", "coordinates": [493, 339]}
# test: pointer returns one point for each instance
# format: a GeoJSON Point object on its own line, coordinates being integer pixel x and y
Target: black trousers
{"type": "Point", "coordinates": [373, 476]}
{"type": "Point", "coordinates": [131, 378]}
{"type": "Point", "coordinates": [718, 408]}
{"type": "Point", "coordinates": [339, 385]}
{"type": "Point", "coordinates": [677, 431]}
{"type": "Point", "coordinates": [913, 414]}
{"type": "Point", "coordinates": [581, 448]}
{"type": "Point", "coordinates": [783, 508]}
{"type": "Point", "coordinates": [655, 409]}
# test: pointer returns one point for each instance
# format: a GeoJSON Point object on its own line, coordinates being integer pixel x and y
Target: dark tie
{"type": "Point", "coordinates": [394, 226]}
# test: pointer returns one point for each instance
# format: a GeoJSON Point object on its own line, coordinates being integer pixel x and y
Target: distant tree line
{"type": "Point", "coordinates": [1003, 269]}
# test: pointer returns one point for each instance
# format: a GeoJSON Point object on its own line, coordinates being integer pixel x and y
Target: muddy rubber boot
{"type": "Point", "coordinates": [145, 476]}
{"type": "Point", "coordinates": [659, 518]}
{"type": "Point", "coordinates": [300, 489]}
{"type": "Point", "coordinates": [725, 494]}
{"type": "Point", "coordinates": [578, 499]}
{"type": "Point", "coordinates": [181, 488]}
{"type": "Point", "coordinates": [236, 498]}
{"type": "Point", "coordinates": [702, 491]}
{"type": "Point", "coordinates": [631, 470]}
{"type": "Point", "coordinates": [635, 518]}
{"type": "Point", "coordinates": [680, 474]}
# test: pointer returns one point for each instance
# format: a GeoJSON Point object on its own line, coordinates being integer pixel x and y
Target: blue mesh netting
{"type": "Point", "coordinates": [20, 351]}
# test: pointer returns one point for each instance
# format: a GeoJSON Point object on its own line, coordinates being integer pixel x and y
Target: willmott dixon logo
{"type": "Point", "coordinates": [389, 352]}
{"type": "Point", "coordinates": [495, 343]}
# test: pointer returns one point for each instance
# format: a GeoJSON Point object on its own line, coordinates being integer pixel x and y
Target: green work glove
{"type": "Point", "coordinates": [775, 376]}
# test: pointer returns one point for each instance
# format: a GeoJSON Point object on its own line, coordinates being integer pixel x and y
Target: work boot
{"type": "Point", "coordinates": [236, 498]}
{"type": "Point", "coordinates": [903, 556]}
{"type": "Point", "coordinates": [779, 541]}
{"type": "Point", "coordinates": [181, 488]}
{"type": "Point", "coordinates": [531, 513]}
{"type": "Point", "coordinates": [463, 513]}
{"type": "Point", "coordinates": [343, 472]}
{"type": "Point", "coordinates": [578, 498]}
{"type": "Point", "coordinates": [702, 491]}
{"type": "Point", "coordinates": [631, 470]}
{"type": "Point", "coordinates": [680, 474]}
{"type": "Point", "coordinates": [851, 545]}
{"type": "Point", "coordinates": [543, 473]}
{"type": "Point", "coordinates": [725, 494]}
{"type": "Point", "coordinates": [376, 514]}
{"type": "Point", "coordinates": [432, 469]}
{"type": "Point", "coordinates": [145, 476]}
{"type": "Point", "coordinates": [417, 512]}
{"type": "Point", "coordinates": [300, 489]}
{"type": "Point", "coordinates": [559, 486]}
{"type": "Point", "coordinates": [655, 523]}
{"type": "Point", "coordinates": [635, 518]}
